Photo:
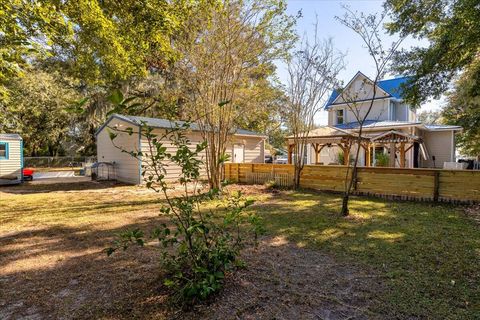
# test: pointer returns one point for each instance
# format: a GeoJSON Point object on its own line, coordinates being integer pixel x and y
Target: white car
{"type": "Point", "coordinates": [281, 160]}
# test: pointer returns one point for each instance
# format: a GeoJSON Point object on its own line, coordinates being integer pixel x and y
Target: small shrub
{"type": "Point", "coordinates": [382, 160]}
{"type": "Point", "coordinates": [203, 239]}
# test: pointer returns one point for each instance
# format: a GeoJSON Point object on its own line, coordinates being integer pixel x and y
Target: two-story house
{"type": "Point", "coordinates": [390, 128]}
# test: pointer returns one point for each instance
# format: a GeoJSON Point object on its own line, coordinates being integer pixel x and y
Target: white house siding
{"type": "Point", "coordinates": [173, 171]}
{"type": "Point", "coordinates": [126, 167]}
{"type": "Point", "coordinates": [379, 111]}
{"type": "Point", "coordinates": [254, 151]}
{"type": "Point", "coordinates": [359, 89]}
{"type": "Point", "coordinates": [441, 145]}
{"type": "Point", "coordinates": [254, 148]}
{"type": "Point", "coordinates": [401, 112]}
{"type": "Point", "coordinates": [11, 167]}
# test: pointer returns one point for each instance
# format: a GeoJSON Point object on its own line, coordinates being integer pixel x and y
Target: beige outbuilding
{"type": "Point", "coordinates": [11, 158]}
{"type": "Point", "coordinates": [244, 146]}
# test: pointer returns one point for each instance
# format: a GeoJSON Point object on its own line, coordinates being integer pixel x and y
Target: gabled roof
{"type": "Point", "coordinates": [393, 87]}
{"type": "Point", "coordinates": [10, 136]}
{"type": "Point", "coordinates": [166, 124]}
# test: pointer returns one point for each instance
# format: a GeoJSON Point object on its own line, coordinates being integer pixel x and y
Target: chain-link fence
{"type": "Point", "coordinates": [58, 162]}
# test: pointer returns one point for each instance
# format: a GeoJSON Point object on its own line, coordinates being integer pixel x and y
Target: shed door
{"type": "Point", "coordinates": [238, 153]}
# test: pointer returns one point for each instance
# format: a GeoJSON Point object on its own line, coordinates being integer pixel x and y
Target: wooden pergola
{"type": "Point", "coordinates": [325, 137]}
{"type": "Point", "coordinates": [330, 136]}
{"type": "Point", "coordinates": [395, 140]}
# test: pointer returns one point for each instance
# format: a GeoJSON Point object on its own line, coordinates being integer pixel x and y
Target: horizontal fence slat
{"type": "Point", "coordinates": [394, 183]}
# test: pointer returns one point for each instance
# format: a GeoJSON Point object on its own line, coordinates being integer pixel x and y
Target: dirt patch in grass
{"type": "Point", "coordinates": [285, 281]}
{"type": "Point", "coordinates": [474, 213]}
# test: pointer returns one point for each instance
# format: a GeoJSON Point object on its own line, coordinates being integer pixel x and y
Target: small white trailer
{"type": "Point", "coordinates": [11, 158]}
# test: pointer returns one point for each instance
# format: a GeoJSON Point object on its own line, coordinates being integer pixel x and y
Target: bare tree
{"type": "Point", "coordinates": [220, 53]}
{"type": "Point", "coordinates": [312, 72]}
{"type": "Point", "coordinates": [369, 28]}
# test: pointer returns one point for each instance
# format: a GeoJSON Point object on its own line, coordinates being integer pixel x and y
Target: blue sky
{"type": "Point", "coordinates": [357, 58]}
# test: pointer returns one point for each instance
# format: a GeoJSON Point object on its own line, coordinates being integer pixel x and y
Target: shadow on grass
{"type": "Point", "coordinates": [59, 185]}
{"type": "Point", "coordinates": [62, 272]}
{"type": "Point", "coordinates": [428, 253]}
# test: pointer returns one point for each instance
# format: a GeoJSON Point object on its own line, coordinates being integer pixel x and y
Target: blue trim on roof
{"type": "Point", "coordinates": [375, 124]}
{"type": "Point", "coordinates": [394, 87]}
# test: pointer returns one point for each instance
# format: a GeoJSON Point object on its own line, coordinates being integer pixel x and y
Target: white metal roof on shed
{"type": "Point", "coordinates": [167, 124]}
{"type": "Point", "coordinates": [10, 136]}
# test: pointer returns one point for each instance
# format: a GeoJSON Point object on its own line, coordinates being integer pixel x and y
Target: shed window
{"type": "Point", "coordinates": [3, 150]}
{"type": "Point", "coordinates": [340, 117]}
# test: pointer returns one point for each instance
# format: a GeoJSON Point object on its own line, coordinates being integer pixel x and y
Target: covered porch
{"type": "Point", "coordinates": [323, 137]}
{"type": "Point", "coordinates": [397, 143]}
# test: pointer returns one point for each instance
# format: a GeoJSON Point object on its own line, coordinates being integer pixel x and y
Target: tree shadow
{"type": "Point", "coordinates": [56, 185]}
{"type": "Point", "coordinates": [60, 271]}
{"type": "Point", "coordinates": [63, 272]}
{"type": "Point", "coordinates": [419, 247]}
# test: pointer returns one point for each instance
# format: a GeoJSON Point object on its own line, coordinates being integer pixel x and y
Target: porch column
{"type": "Point", "coordinates": [374, 161]}
{"type": "Point", "coordinates": [315, 147]}
{"type": "Point", "coordinates": [346, 155]}
{"type": "Point", "coordinates": [290, 151]}
{"type": "Point", "coordinates": [402, 154]}
{"type": "Point", "coordinates": [367, 155]}
{"type": "Point", "coordinates": [392, 154]}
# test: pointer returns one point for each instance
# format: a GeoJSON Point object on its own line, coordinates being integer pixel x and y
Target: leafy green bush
{"type": "Point", "coordinates": [382, 160]}
{"type": "Point", "coordinates": [203, 238]}
{"type": "Point", "coordinates": [341, 157]}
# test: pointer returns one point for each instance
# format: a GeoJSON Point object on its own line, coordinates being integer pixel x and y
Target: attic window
{"type": "Point", "coordinates": [340, 117]}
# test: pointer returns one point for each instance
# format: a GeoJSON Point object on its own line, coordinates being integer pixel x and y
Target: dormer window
{"type": "Point", "coordinates": [340, 116]}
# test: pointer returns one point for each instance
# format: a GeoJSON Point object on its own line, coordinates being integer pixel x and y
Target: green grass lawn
{"type": "Point", "coordinates": [425, 257]}
{"type": "Point", "coordinates": [428, 254]}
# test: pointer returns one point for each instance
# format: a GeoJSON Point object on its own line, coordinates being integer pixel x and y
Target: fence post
{"type": "Point", "coordinates": [436, 186]}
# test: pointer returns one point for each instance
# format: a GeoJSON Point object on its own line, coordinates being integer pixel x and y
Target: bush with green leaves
{"type": "Point", "coordinates": [206, 229]}
{"type": "Point", "coordinates": [382, 159]}
{"type": "Point", "coordinates": [341, 157]}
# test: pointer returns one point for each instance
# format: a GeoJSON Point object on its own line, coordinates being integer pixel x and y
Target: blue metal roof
{"type": "Point", "coordinates": [332, 98]}
{"type": "Point", "coordinates": [391, 86]}
{"type": "Point", "coordinates": [375, 124]}
{"type": "Point", "coordinates": [166, 124]}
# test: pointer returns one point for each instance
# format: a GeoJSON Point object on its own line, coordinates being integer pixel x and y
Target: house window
{"type": "Point", "coordinates": [340, 117]}
{"type": "Point", "coordinates": [3, 150]}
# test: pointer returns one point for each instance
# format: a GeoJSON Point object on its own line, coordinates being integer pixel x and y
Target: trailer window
{"type": "Point", "coordinates": [3, 150]}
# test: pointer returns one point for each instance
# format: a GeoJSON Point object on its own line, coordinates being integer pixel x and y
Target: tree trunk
{"type": "Point", "coordinates": [345, 211]}
{"type": "Point", "coordinates": [296, 178]}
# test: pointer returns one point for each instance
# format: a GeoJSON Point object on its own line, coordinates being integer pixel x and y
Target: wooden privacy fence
{"type": "Point", "coordinates": [415, 184]}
